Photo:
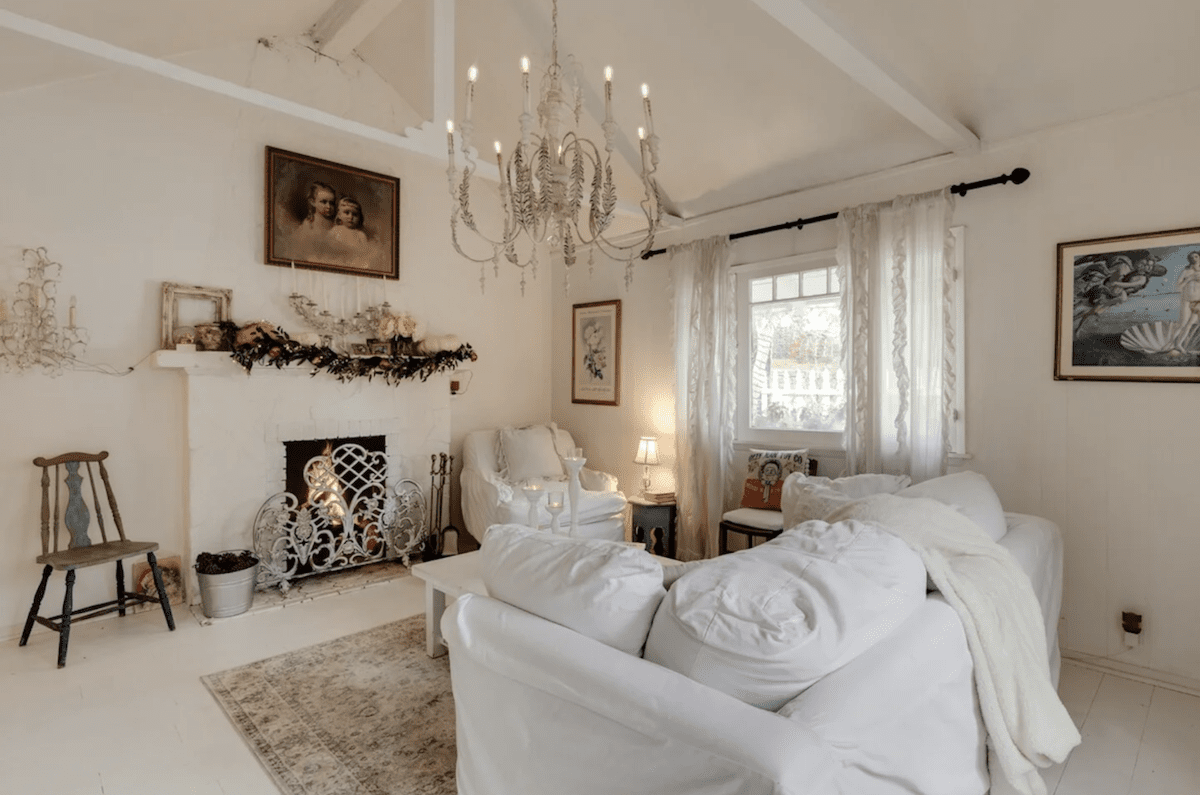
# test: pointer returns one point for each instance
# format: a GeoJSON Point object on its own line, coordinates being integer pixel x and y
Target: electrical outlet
{"type": "Point", "coordinates": [454, 387]}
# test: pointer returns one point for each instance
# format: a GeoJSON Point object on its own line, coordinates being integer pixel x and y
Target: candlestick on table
{"type": "Point", "coordinates": [554, 504]}
{"type": "Point", "coordinates": [574, 463]}
{"type": "Point", "coordinates": [533, 493]}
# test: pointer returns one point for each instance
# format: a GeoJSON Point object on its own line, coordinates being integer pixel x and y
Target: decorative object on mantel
{"type": "Point", "coordinates": [197, 308]}
{"type": "Point", "coordinates": [543, 184]}
{"type": "Point", "coordinates": [327, 216]}
{"type": "Point", "coordinates": [276, 348]}
{"type": "Point", "coordinates": [29, 332]}
{"type": "Point", "coordinates": [349, 519]}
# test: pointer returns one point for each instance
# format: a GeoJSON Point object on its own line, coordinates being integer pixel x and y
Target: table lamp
{"type": "Point", "coordinates": [647, 456]}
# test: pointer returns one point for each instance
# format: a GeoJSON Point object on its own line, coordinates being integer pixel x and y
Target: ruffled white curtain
{"type": "Point", "coordinates": [705, 318]}
{"type": "Point", "coordinates": [895, 265]}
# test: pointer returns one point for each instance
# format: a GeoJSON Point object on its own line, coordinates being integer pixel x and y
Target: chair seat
{"type": "Point", "coordinates": [81, 557]}
{"type": "Point", "coordinates": [755, 517]}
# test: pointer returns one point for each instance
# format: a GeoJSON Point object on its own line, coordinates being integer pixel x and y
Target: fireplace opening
{"type": "Point", "coordinates": [297, 457]}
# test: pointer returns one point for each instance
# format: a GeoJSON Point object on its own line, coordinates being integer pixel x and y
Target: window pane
{"type": "Point", "coordinates": [787, 286]}
{"type": "Point", "coordinates": [797, 382]}
{"type": "Point", "coordinates": [760, 290]}
{"type": "Point", "coordinates": [816, 282]}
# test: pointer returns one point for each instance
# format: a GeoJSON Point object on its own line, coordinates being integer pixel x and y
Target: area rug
{"type": "Point", "coordinates": [369, 714]}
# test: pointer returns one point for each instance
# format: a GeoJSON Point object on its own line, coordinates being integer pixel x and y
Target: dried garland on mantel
{"type": "Point", "coordinates": [279, 350]}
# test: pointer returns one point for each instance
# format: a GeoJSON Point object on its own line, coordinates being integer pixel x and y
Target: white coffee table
{"type": "Point", "coordinates": [450, 576]}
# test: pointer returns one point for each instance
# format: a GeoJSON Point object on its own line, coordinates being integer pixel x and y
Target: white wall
{"type": "Point", "coordinates": [130, 180]}
{"type": "Point", "coordinates": [1114, 464]}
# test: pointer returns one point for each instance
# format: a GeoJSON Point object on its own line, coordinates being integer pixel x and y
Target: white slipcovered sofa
{"type": "Point", "coordinates": [491, 482]}
{"type": "Point", "coordinates": [553, 693]}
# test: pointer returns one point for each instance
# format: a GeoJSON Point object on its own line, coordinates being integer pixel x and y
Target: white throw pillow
{"type": "Point", "coordinates": [806, 498]}
{"type": "Point", "coordinates": [529, 453]}
{"type": "Point", "coordinates": [765, 623]}
{"type": "Point", "coordinates": [606, 590]}
{"type": "Point", "coordinates": [970, 494]}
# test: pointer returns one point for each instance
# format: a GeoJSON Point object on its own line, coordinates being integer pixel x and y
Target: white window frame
{"type": "Point", "coordinates": [823, 440]}
{"type": "Point", "coordinates": [813, 440]}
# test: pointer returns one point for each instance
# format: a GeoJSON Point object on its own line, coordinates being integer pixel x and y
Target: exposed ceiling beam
{"type": "Point", "coordinates": [822, 31]}
{"type": "Point", "coordinates": [430, 144]}
{"type": "Point", "coordinates": [346, 23]}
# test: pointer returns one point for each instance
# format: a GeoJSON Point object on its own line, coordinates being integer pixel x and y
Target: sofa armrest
{"type": "Point", "coordinates": [481, 494]}
{"type": "Point", "coordinates": [595, 720]}
{"type": "Point", "coordinates": [595, 480]}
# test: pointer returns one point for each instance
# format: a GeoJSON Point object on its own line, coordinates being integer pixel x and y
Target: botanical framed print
{"type": "Point", "coordinates": [1129, 308]}
{"type": "Point", "coordinates": [328, 216]}
{"type": "Point", "coordinates": [596, 353]}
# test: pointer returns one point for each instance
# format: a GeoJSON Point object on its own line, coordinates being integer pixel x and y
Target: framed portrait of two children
{"type": "Point", "coordinates": [327, 216]}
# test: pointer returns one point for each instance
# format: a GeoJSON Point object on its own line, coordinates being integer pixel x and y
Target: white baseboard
{"type": "Point", "coordinates": [1149, 676]}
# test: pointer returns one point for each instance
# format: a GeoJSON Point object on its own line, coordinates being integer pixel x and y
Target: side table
{"type": "Point", "coordinates": [651, 518]}
{"type": "Point", "coordinates": [452, 577]}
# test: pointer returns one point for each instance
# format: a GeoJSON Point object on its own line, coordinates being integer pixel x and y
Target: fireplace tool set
{"type": "Point", "coordinates": [445, 541]}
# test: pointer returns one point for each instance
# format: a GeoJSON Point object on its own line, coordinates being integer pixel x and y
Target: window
{"type": "Point", "coordinates": [791, 386]}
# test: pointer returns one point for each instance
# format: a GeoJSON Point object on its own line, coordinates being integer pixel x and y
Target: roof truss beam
{"type": "Point", "coordinates": [346, 23]}
{"type": "Point", "coordinates": [822, 31]}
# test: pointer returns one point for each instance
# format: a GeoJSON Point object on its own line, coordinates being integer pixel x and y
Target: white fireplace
{"type": "Point", "coordinates": [237, 424]}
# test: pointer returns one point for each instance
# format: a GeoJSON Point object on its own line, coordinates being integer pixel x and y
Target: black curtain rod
{"type": "Point", "coordinates": [1017, 176]}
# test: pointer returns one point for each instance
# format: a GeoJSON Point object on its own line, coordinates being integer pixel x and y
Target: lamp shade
{"type": "Point", "coordinates": [647, 452]}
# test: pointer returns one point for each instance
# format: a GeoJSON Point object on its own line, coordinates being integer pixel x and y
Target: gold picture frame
{"type": "Point", "coordinates": [301, 190]}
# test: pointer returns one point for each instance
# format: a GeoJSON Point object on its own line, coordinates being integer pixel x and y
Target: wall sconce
{"type": "Point", "coordinates": [647, 456]}
{"type": "Point", "coordinates": [29, 332]}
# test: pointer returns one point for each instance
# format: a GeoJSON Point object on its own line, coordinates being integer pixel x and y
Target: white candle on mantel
{"type": "Point", "coordinates": [71, 313]}
{"type": "Point", "coordinates": [357, 295]}
{"type": "Point", "coordinates": [293, 277]}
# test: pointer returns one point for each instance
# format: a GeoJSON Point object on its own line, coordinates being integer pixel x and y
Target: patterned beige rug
{"type": "Point", "coordinates": [367, 713]}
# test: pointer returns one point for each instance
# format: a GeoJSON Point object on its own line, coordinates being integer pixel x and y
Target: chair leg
{"type": "Point", "coordinates": [64, 632]}
{"type": "Point", "coordinates": [163, 598]}
{"type": "Point", "coordinates": [37, 604]}
{"type": "Point", "coordinates": [120, 588]}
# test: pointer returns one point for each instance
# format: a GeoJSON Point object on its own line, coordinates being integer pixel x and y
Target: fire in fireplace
{"type": "Point", "coordinates": [337, 511]}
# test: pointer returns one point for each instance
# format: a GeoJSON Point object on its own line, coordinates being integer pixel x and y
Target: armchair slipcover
{"type": "Point", "coordinates": [488, 498]}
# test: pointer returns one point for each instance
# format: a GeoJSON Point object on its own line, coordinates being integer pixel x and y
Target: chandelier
{"type": "Point", "coordinates": [555, 185]}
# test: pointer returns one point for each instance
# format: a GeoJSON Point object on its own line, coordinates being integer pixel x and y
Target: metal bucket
{"type": "Point", "coordinates": [224, 595]}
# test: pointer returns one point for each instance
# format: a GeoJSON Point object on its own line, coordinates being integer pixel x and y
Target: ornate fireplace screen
{"type": "Point", "coordinates": [349, 519]}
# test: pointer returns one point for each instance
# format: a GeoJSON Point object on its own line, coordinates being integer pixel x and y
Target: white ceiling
{"type": "Point", "coordinates": [752, 98]}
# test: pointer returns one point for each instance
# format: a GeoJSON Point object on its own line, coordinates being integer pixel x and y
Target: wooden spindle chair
{"type": "Point", "coordinates": [80, 552]}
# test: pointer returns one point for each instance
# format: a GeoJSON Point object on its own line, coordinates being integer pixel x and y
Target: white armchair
{"type": "Point", "coordinates": [491, 482]}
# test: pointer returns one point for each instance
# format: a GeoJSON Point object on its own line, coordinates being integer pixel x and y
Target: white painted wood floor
{"type": "Point", "coordinates": [129, 715]}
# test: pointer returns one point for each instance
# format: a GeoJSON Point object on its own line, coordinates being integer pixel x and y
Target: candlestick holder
{"type": "Point", "coordinates": [534, 493]}
{"type": "Point", "coordinates": [574, 464]}
{"type": "Point", "coordinates": [29, 334]}
{"type": "Point", "coordinates": [554, 504]}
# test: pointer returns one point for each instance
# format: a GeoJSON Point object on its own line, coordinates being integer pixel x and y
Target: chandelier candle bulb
{"type": "Point", "coordinates": [646, 107]}
{"type": "Point", "coordinates": [472, 73]}
{"type": "Point", "coordinates": [608, 93]}
{"type": "Point", "coordinates": [525, 80]}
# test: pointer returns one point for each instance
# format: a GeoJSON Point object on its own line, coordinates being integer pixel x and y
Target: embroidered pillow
{"type": "Point", "coordinates": [766, 471]}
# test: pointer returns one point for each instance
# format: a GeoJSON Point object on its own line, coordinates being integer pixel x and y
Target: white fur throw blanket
{"type": "Point", "coordinates": [1027, 724]}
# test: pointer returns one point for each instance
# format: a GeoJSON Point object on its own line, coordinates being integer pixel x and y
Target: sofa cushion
{"type": "Point", "coordinates": [970, 494]}
{"type": "Point", "coordinates": [766, 471]}
{"type": "Point", "coordinates": [806, 498]}
{"type": "Point", "coordinates": [765, 623]}
{"type": "Point", "coordinates": [606, 590]}
{"type": "Point", "coordinates": [529, 453]}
